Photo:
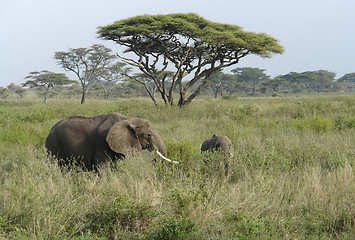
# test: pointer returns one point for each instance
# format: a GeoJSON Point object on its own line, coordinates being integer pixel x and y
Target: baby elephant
{"type": "Point", "coordinates": [221, 143]}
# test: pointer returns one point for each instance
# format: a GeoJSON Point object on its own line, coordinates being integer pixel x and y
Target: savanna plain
{"type": "Point", "coordinates": [291, 175]}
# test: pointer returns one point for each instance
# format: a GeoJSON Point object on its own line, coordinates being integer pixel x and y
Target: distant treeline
{"type": "Point", "coordinates": [240, 81]}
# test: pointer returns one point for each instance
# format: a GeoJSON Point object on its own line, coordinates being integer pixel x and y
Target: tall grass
{"type": "Point", "coordinates": [291, 176]}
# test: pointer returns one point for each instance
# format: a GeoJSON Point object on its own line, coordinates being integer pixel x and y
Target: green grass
{"type": "Point", "coordinates": [291, 176]}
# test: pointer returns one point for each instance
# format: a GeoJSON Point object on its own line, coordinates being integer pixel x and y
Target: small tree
{"type": "Point", "coordinates": [85, 63]}
{"type": "Point", "coordinates": [47, 80]}
{"type": "Point", "coordinates": [348, 81]}
{"type": "Point", "coordinates": [251, 77]}
{"type": "Point", "coordinates": [110, 75]}
{"type": "Point", "coordinates": [274, 84]}
{"type": "Point", "coordinates": [74, 90]}
{"type": "Point", "coordinates": [192, 45]}
{"type": "Point", "coordinates": [220, 83]}
{"type": "Point", "coordinates": [318, 80]}
{"type": "Point", "coordinates": [20, 91]}
{"type": "Point", "coordinates": [293, 81]}
{"type": "Point", "coordinates": [4, 92]}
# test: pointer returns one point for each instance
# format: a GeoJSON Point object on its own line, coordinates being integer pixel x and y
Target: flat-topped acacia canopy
{"type": "Point", "coordinates": [196, 47]}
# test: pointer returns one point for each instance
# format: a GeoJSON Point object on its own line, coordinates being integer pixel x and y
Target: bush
{"type": "Point", "coordinates": [173, 228]}
{"type": "Point", "coordinates": [317, 124]}
{"type": "Point", "coordinates": [119, 218]}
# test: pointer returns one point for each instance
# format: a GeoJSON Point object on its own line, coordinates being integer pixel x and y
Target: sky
{"type": "Point", "coordinates": [316, 34]}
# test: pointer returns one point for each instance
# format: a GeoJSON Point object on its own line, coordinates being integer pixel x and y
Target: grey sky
{"type": "Point", "coordinates": [316, 34]}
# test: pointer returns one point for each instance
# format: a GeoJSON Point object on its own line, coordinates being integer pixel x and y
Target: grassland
{"type": "Point", "coordinates": [291, 177]}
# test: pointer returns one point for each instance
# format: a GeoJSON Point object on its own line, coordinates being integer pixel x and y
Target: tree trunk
{"type": "Point", "coordinates": [182, 99]}
{"type": "Point", "coordinates": [85, 91]}
{"type": "Point", "coordinates": [151, 95]}
{"type": "Point", "coordinates": [105, 94]}
{"type": "Point", "coordinates": [83, 97]}
{"type": "Point", "coordinates": [196, 93]}
{"type": "Point", "coordinates": [46, 95]}
{"type": "Point", "coordinates": [184, 102]}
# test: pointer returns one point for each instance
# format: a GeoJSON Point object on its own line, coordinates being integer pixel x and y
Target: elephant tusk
{"type": "Point", "coordinates": [165, 158]}
{"type": "Point", "coordinates": [231, 154]}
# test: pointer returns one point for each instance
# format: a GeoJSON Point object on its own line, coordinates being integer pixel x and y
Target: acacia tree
{"type": "Point", "coordinates": [149, 84]}
{"type": "Point", "coordinates": [47, 80]}
{"type": "Point", "coordinates": [85, 63]}
{"type": "Point", "coordinates": [348, 80]}
{"type": "Point", "coordinates": [251, 77]}
{"type": "Point", "coordinates": [110, 75]}
{"type": "Point", "coordinates": [318, 80]}
{"type": "Point", "coordinates": [4, 92]}
{"type": "Point", "coordinates": [220, 83]}
{"type": "Point", "coordinates": [20, 91]}
{"type": "Point", "coordinates": [292, 80]}
{"type": "Point", "coordinates": [274, 84]}
{"type": "Point", "coordinates": [192, 45]}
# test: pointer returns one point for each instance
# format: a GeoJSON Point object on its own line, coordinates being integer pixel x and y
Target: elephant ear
{"type": "Point", "coordinates": [122, 136]}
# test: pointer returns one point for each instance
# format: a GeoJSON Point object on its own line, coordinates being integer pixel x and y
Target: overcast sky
{"type": "Point", "coordinates": [316, 34]}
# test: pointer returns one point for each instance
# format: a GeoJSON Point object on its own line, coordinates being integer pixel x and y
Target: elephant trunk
{"type": "Point", "coordinates": [159, 145]}
{"type": "Point", "coordinates": [160, 149]}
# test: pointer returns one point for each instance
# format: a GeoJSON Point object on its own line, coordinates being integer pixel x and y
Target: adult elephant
{"type": "Point", "coordinates": [96, 140]}
{"type": "Point", "coordinates": [219, 143]}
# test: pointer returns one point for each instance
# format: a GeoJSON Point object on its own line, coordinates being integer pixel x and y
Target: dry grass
{"type": "Point", "coordinates": [291, 177]}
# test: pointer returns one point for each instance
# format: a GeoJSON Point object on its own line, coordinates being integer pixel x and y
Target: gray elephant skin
{"type": "Point", "coordinates": [92, 141]}
{"type": "Point", "coordinates": [217, 143]}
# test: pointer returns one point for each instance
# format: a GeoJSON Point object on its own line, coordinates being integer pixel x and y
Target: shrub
{"type": "Point", "coordinates": [173, 228]}
{"type": "Point", "coordinates": [317, 124]}
{"type": "Point", "coordinates": [241, 113]}
{"type": "Point", "coordinates": [121, 217]}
